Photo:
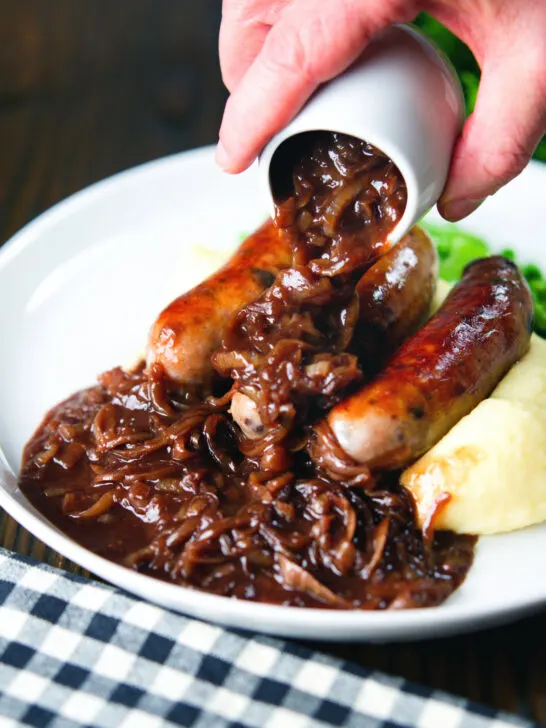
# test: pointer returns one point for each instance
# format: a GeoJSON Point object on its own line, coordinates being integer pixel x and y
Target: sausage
{"type": "Point", "coordinates": [442, 372]}
{"type": "Point", "coordinates": [188, 331]}
{"type": "Point", "coordinates": [395, 296]}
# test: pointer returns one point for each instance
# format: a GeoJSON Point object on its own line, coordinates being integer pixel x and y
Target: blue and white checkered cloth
{"type": "Point", "coordinates": [78, 653]}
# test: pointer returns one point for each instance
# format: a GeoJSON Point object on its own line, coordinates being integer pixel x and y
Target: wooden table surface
{"type": "Point", "coordinates": [90, 88]}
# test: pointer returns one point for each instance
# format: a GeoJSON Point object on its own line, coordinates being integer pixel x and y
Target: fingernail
{"type": "Point", "coordinates": [221, 156]}
{"type": "Point", "coordinates": [456, 209]}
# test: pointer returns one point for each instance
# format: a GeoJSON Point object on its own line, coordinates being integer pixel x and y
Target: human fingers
{"type": "Point", "coordinates": [244, 28]}
{"type": "Point", "coordinates": [313, 41]}
{"type": "Point", "coordinates": [508, 122]}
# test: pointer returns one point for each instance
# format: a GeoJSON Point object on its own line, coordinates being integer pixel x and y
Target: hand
{"type": "Point", "coordinates": [275, 53]}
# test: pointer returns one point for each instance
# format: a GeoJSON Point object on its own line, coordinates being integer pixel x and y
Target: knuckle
{"type": "Point", "coordinates": [320, 45]}
{"type": "Point", "coordinates": [314, 35]}
{"type": "Point", "coordinates": [503, 165]}
{"type": "Point", "coordinates": [305, 50]}
{"type": "Point", "coordinates": [386, 12]}
{"type": "Point", "coordinates": [285, 52]}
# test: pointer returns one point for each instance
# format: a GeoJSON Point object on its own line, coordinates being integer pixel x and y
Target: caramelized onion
{"type": "Point", "coordinates": [164, 481]}
{"type": "Point", "coordinates": [296, 577]}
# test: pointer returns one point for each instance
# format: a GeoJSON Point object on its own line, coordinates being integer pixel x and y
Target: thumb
{"type": "Point", "coordinates": [499, 138]}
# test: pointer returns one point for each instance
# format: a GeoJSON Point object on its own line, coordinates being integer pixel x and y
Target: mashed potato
{"type": "Point", "coordinates": [201, 263]}
{"type": "Point", "coordinates": [442, 289]}
{"type": "Point", "coordinates": [492, 464]}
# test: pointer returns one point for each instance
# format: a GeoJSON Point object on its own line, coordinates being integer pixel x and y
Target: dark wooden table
{"type": "Point", "coordinates": [90, 88]}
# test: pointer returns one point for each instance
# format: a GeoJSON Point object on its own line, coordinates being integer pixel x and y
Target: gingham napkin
{"type": "Point", "coordinates": [78, 653]}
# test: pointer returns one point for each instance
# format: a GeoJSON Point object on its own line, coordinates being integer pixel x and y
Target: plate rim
{"type": "Point", "coordinates": [277, 619]}
{"type": "Point", "coordinates": [361, 624]}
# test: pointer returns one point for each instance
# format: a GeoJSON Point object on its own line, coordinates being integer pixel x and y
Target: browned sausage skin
{"type": "Point", "coordinates": [442, 372]}
{"type": "Point", "coordinates": [394, 296]}
{"type": "Point", "coordinates": [188, 331]}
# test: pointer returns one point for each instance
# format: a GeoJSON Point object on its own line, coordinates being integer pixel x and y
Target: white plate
{"type": "Point", "coordinates": [79, 288]}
